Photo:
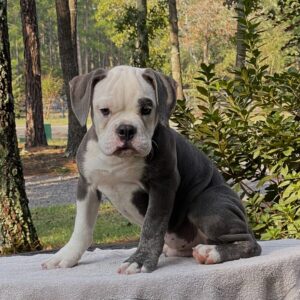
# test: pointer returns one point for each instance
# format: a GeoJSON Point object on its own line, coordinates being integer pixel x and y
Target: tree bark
{"type": "Point", "coordinates": [85, 40]}
{"type": "Point", "coordinates": [68, 57]}
{"type": "Point", "coordinates": [35, 133]}
{"type": "Point", "coordinates": [73, 18]}
{"type": "Point", "coordinates": [79, 57]}
{"type": "Point", "coordinates": [141, 56]}
{"type": "Point", "coordinates": [175, 49]}
{"type": "Point", "coordinates": [240, 35]}
{"type": "Point", "coordinates": [206, 51]}
{"type": "Point", "coordinates": [17, 232]}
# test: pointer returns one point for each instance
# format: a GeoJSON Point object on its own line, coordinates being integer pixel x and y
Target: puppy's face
{"type": "Point", "coordinates": [127, 104]}
{"type": "Point", "coordinates": [124, 112]}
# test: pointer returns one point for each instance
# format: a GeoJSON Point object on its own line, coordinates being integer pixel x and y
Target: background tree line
{"type": "Point", "coordinates": [136, 32]}
{"type": "Point", "coordinates": [107, 35]}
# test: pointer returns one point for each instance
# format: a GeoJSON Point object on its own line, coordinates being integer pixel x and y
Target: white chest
{"type": "Point", "coordinates": [121, 197]}
{"type": "Point", "coordinates": [117, 178]}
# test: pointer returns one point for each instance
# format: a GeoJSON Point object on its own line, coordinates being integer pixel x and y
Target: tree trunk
{"type": "Point", "coordinates": [175, 50]}
{"type": "Point", "coordinates": [35, 133]}
{"type": "Point", "coordinates": [79, 57]}
{"type": "Point", "coordinates": [17, 232]}
{"type": "Point", "coordinates": [50, 44]}
{"type": "Point", "coordinates": [85, 41]}
{"type": "Point", "coordinates": [69, 64]}
{"type": "Point", "coordinates": [206, 51]}
{"type": "Point", "coordinates": [240, 35]}
{"type": "Point", "coordinates": [141, 56]}
{"type": "Point", "coordinates": [73, 18]}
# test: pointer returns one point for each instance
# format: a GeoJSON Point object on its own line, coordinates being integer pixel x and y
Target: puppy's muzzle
{"type": "Point", "coordinates": [126, 132]}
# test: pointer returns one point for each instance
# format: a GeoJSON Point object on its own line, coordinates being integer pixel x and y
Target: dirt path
{"type": "Point", "coordinates": [45, 190]}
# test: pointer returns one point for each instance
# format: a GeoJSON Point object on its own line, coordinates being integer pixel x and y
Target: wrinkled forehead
{"type": "Point", "coordinates": [123, 86]}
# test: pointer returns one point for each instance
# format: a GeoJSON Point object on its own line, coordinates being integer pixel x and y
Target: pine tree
{"type": "Point", "coordinates": [17, 232]}
{"type": "Point", "coordinates": [35, 132]}
{"type": "Point", "coordinates": [68, 56]}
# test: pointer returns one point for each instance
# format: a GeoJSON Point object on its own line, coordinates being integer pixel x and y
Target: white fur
{"type": "Point", "coordinates": [116, 177]}
{"type": "Point", "coordinates": [208, 253]}
{"type": "Point", "coordinates": [120, 91]}
{"type": "Point", "coordinates": [133, 269]}
{"type": "Point", "coordinates": [69, 255]}
{"type": "Point", "coordinates": [128, 268]}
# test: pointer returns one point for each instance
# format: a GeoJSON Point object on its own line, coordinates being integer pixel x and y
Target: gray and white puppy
{"type": "Point", "coordinates": [151, 174]}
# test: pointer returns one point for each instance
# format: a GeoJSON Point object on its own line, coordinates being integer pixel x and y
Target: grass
{"type": "Point", "coordinates": [57, 142]}
{"type": "Point", "coordinates": [54, 121]}
{"type": "Point", "coordinates": [55, 224]}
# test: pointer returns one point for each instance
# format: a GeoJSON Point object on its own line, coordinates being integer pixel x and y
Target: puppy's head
{"type": "Point", "coordinates": [127, 103]}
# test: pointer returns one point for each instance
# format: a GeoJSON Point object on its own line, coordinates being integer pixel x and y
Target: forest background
{"type": "Point", "coordinates": [106, 37]}
{"type": "Point", "coordinates": [239, 63]}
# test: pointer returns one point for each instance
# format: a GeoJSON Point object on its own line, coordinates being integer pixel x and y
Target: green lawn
{"type": "Point", "coordinates": [54, 225]}
{"type": "Point", "coordinates": [53, 121]}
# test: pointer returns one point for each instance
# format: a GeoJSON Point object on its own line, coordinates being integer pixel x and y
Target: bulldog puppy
{"type": "Point", "coordinates": [151, 174]}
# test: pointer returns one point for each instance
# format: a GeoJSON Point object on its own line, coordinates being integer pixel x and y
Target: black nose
{"type": "Point", "coordinates": [126, 132]}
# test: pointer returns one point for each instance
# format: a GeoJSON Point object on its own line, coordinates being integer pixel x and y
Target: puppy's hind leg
{"type": "Point", "coordinates": [213, 254]}
{"type": "Point", "coordinates": [86, 215]}
{"type": "Point", "coordinates": [221, 217]}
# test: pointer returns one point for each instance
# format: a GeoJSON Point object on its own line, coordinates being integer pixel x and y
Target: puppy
{"type": "Point", "coordinates": [151, 174]}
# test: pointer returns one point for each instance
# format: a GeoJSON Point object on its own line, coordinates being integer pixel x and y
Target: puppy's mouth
{"type": "Point", "coordinates": [125, 150]}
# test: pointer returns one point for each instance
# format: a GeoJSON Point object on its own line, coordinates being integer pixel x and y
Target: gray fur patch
{"type": "Point", "coordinates": [165, 90]}
{"type": "Point", "coordinates": [81, 92]}
{"type": "Point", "coordinates": [82, 188]}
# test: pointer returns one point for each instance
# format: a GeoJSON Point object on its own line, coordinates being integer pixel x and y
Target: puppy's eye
{"type": "Point", "coordinates": [146, 110]}
{"type": "Point", "coordinates": [105, 111]}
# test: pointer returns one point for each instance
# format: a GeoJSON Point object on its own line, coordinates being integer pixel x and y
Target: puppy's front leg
{"type": "Point", "coordinates": [81, 239]}
{"type": "Point", "coordinates": [145, 259]}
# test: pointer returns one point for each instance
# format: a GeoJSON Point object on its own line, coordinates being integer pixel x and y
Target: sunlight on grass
{"type": "Point", "coordinates": [54, 225]}
{"type": "Point", "coordinates": [53, 121]}
{"type": "Point", "coordinates": [57, 142]}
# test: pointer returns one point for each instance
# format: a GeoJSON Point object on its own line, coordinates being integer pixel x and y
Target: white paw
{"type": "Point", "coordinates": [206, 254]}
{"type": "Point", "coordinates": [129, 268]}
{"type": "Point", "coordinates": [65, 258]}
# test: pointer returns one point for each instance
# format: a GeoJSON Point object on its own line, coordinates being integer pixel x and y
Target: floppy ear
{"type": "Point", "coordinates": [81, 93]}
{"type": "Point", "coordinates": [165, 90]}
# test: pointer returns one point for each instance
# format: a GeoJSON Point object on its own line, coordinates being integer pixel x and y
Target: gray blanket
{"type": "Point", "coordinates": [273, 275]}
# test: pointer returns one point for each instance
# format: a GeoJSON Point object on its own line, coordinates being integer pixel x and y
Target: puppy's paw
{"type": "Point", "coordinates": [133, 268]}
{"type": "Point", "coordinates": [129, 268]}
{"type": "Point", "coordinates": [139, 262]}
{"type": "Point", "coordinates": [206, 254]}
{"type": "Point", "coordinates": [65, 258]}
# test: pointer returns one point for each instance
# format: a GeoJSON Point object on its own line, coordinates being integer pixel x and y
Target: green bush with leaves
{"type": "Point", "coordinates": [250, 127]}
{"type": "Point", "coordinates": [52, 88]}
{"type": "Point", "coordinates": [155, 26]}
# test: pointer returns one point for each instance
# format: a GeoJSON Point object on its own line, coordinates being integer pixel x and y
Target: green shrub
{"type": "Point", "coordinates": [250, 127]}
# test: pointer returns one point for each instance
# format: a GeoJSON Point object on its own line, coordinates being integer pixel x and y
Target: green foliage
{"type": "Point", "coordinates": [156, 24]}
{"type": "Point", "coordinates": [250, 127]}
{"type": "Point", "coordinates": [101, 44]}
{"type": "Point", "coordinates": [287, 12]}
{"type": "Point", "coordinates": [51, 89]}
